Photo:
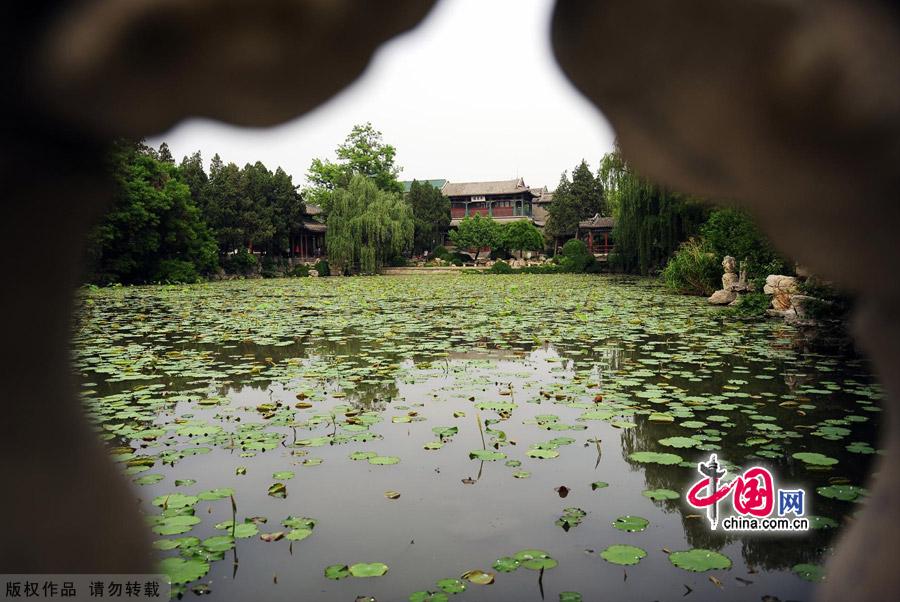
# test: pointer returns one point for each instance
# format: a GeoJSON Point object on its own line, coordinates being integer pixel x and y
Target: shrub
{"type": "Point", "coordinates": [398, 262]}
{"type": "Point", "coordinates": [732, 232]}
{"type": "Point", "coordinates": [243, 262]}
{"type": "Point", "coordinates": [827, 303]}
{"type": "Point", "coordinates": [458, 258]}
{"type": "Point", "coordinates": [693, 270]}
{"type": "Point", "coordinates": [270, 268]}
{"type": "Point", "coordinates": [575, 257]}
{"type": "Point", "coordinates": [176, 271]}
{"type": "Point", "coordinates": [751, 305]}
{"type": "Point", "coordinates": [547, 268]}
{"type": "Point", "coordinates": [499, 254]}
{"type": "Point", "coordinates": [323, 268]}
{"type": "Point", "coordinates": [440, 252]}
{"type": "Point", "coordinates": [301, 270]}
{"type": "Point", "coordinates": [500, 267]}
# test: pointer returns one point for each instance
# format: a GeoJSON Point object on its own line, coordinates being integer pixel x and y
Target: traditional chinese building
{"type": "Point", "coordinates": [596, 233]}
{"type": "Point", "coordinates": [309, 241]}
{"type": "Point", "coordinates": [540, 206]}
{"type": "Point", "coordinates": [504, 200]}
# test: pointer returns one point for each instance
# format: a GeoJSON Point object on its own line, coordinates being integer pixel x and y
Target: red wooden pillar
{"type": "Point", "coordinates": [591, 241]}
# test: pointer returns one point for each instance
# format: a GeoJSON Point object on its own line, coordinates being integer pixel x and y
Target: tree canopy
{"type": "Point", "coordinates": [575, 200]}
{"type": "Point", "coordinates": [521, 236]}
{"type": "Point", "coordinates": [651, 221]}
{"type": "Point", "coordinates": [431, 212]}
{"type": "Point", "coordinates": [367, 226]}
{"type": "Point", "coordinates": [476, 233]}
{"type": "Point", "coordinates": [171, 223]}
{"type": "Point", "coordinates": [363, 152]}
{"type": "Point", "coordinates": [153, 231]}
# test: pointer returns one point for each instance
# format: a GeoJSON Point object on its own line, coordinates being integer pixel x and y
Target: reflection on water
{"type": "Point", "coordinates": [380, 364]}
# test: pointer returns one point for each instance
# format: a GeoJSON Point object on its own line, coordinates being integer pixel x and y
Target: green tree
{"type": "Point", "coordinates": [650, 221]}
{"type": "Point", "coordinates": [367, 226]}
{"type": "Point", "coordinates": [611, 167]}
{"type": "Point", "coordinates": [431, 212]}
{"type": "Point", "coordinates": [730, 231]}
{"type": "Point", "coordinates": [221, 205]}
{"type": "Point", "coordinates": [363, 152]}
{"type": "Point", "coordinates": [521, 236]}
{"type": "Point", "coordinates": [575, 200]}
{"type": "Point", "coordinates": [288, 209]}
{"type": "Point", "coordinates": [192, 173]}
{"type": "Point", "coordinates": [165, 155]}
{"type": "Point", "coordinates": [476, 233]}
{"type": "Point", "coordinates": [153, 231]}
{"type": "Point", "coordinates": [256, 212]}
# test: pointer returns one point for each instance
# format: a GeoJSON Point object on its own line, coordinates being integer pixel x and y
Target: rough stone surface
{"type": "Point", "coordinates": [722, 297]}
{"type": "Point", "coordinates": [781, 288]}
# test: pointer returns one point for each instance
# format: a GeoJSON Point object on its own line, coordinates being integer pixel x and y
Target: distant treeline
{"type": "Point", "coordinates": [173, 222]}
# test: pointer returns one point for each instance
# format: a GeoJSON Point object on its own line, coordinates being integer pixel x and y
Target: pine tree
{"type": "Point", "coordinates": [431, 212]}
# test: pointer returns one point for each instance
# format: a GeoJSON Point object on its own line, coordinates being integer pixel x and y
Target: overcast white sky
{"type": "Point", "coordinates": [472, 94]}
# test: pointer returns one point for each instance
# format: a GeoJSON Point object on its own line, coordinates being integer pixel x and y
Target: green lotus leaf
{"type": "Point", "coordinates": [535, 560]}
{"type": "Point", "coordinates": [648, 457]}
{"type": "Point", "coordinates": [815, 459]}
{"type": "Point", "coordinates": [218, 543]}
{"type": "Point", "coordinates": [216, 494]}
{"type": "Point", "coordinates": [175, 525]}
{"type": "Point", "coordinates": [337, 571]}
{"type": "Point", "coordinates": [661, 494]}
{"type": "Point", "coordinates": [359, 455]}
{"type": "Point", "coordinates": [371, 569]}
{"type": "Point", "coordinates": [293, 522]}
{"type": "Point", "coordinates": [428, 597]}
{"type": "Point", "coordinates": [182, 570]}
{"type": "Point", "coordinates": [846, 493]}
{"type": "Point", "coordinates": [821, 522]}
{"type": "Point", "coordinates": [699, 560]}
{"type": "Point", "coordinates": [809, 572]}
{"type": "Point", "coordinates": [452, 586]}
{"type": "Point", "coordinates": [506, 564]}
{"type": "Point", "coordinates": [298, 534]}
{"type": "Point", "coordinates": [175, 501]}
{"type": "Point", "coordinates": [631, 524]}
{"type": "Point", "coordinates": [384, 460]}
{"type": "Point", "coordinates": [543, 454]}
{"type": "Point", "coordinates": [622, 554]}
{"type": "Point", "coordinates": [680, 442]}
{"type": "Point", "coordinates": [486, 455]}
{"type": "Point", "coordinates": [149, 479]}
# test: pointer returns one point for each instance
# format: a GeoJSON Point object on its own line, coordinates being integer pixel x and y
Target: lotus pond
{"type": "Point", "coordinates": [467, 438]}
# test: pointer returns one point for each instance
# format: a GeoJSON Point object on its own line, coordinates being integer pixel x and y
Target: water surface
{"type": "Point", "coordinates": [194, 384]}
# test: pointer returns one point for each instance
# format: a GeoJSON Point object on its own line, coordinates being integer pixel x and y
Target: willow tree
{"type": "Point", "coordinates": [367, 226]}
{"type": "Point", "coordinates": [651, 221]}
